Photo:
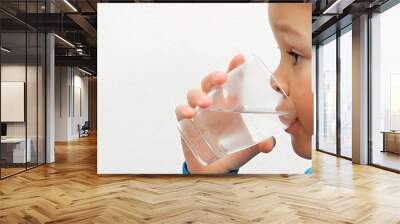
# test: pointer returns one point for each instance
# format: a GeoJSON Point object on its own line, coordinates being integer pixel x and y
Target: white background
{"type": "Point", "coordinates": [149, 56]}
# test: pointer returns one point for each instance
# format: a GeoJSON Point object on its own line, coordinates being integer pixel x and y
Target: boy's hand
{"type": "Point", "coordinates": [197, 97]}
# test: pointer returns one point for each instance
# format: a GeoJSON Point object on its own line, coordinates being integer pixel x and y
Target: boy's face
{"type": "Point", "coordinates": [291, 25]}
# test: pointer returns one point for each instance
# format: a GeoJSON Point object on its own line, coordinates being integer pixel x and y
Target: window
{"type": "Point", "coordinates": [385, 89]}
{"type": "Point", "coordinates": [346, 94]}
{"type": "Point", "coordinates": [327, 97]}
{"type": "Point", "coordinates": [22, 76]}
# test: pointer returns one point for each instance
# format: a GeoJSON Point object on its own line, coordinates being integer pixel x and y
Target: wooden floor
{"type": "Point", "coordinates": [387, 159]}
{"type": "Point", "coordinates": [8, 171]}
{"type": "Point", "coordinates": [5, 172]}
{"type": "Point", "coordinates": [69, 191]}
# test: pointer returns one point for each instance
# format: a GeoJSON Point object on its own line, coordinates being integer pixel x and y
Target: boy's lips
{"type": "Point", "coordinates": [289, 122]}
{"type": "Point", "coordinates": [290, 128]}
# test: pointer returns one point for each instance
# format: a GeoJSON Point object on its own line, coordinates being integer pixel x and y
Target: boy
{"type": "Point", "coordinates": [291, 25]}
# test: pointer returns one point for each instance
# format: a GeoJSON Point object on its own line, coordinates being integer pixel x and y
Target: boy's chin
{"type": "Point", "coordinates": [302, 146]}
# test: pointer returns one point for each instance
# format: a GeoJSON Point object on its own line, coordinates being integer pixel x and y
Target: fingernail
{"type": "Point", "coordinates": [188, 111]}
{"type": "Point", "coordinates": [219, 76]}
{"type": "Point", "coordinates": [204, 99]}
{"type": "Point", "coordinates": [274, 140]}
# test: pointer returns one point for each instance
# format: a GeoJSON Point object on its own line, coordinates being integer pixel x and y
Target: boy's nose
{"type": "Point", "coordinates": [279, 84]}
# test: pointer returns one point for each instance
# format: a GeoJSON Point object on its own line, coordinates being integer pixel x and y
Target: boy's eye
{"type": "Point", "coordinates": [294, 56]}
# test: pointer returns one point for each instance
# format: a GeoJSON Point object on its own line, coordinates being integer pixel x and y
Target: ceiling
{"type": "Point", "coordinates": [329, 16]}
{"type": "Point", "coordinates": [76, 22]}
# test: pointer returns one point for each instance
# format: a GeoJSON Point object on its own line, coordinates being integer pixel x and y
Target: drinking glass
{"type": "Point", "coordinates": [243, 113]}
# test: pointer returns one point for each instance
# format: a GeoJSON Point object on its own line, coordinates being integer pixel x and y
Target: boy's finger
{"type": "Point", "coordinates": [196, 97]}
{"type": "Point", "coordinates": [183, 111]}
{"type": "Point", "coordinates": [235, 62]}
{"type": "Point", "coordinates": [211, 80]}
{"type": "Point", "coordinates": [267, 145]}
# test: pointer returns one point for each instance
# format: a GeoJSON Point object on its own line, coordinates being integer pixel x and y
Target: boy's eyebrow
{"type": "Point", "coordinates": [287, 29]}
{"type": "Point", "coordinates": [297, 34]}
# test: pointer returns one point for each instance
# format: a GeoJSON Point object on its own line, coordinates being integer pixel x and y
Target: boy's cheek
{"type": "Point", "coordinates": [302, 95]}
{"type": "Point", "coordinates": [304, 109]}
{"type": "Point", "coordinates": [307, 114]}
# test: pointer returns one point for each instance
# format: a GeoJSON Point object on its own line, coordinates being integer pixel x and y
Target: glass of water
{"type": "Point", "coordinates": [245, 111]}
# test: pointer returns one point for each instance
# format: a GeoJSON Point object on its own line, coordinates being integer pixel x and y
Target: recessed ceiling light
{"type": "Point", "coordinates": [5, 50]}
{"type": "Point", "coordinates": [70, 5]}
{"type": "Point", "coordinates": [84, 71]}
{"type": "Point", "coordinates": [338, 6]}
{"type": "Point", "coordinates": [65, 41]}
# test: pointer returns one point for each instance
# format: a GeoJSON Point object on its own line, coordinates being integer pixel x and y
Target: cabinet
{"type": "Point", "coordinates": [391, 142]}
